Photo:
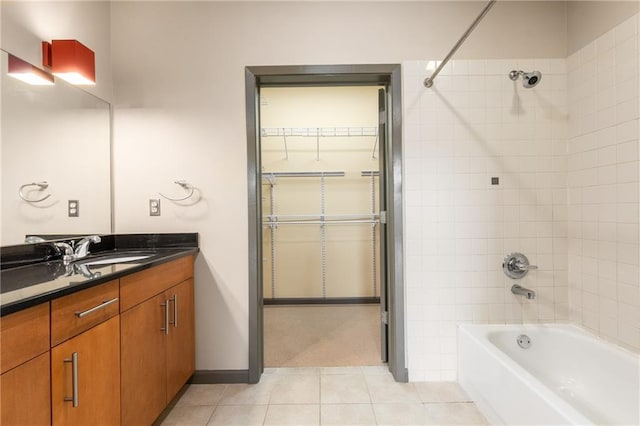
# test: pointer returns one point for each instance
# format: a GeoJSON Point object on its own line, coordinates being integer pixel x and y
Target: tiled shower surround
{"type": "Point", "coordinates": [604, 279]}
{"type": "Point", "coordinates": [566, 156]}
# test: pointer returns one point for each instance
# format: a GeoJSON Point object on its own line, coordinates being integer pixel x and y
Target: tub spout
{"type": "Point", "coordinates": [529, 294]}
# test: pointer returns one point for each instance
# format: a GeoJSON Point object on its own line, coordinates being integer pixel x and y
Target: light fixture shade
{"type": "Point", "coordinates": [22, 70]}
{"type": "Point", "coordinates": [71, 61]}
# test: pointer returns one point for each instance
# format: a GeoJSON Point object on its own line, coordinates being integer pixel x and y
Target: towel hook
{"type": "Point", "coordinates": [41, 187]}
{"type": "Point", "coordinates": [187, 187]}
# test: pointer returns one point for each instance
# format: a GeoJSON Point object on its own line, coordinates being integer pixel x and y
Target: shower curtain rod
{"type": "Point", "coordinates": [428, 82]}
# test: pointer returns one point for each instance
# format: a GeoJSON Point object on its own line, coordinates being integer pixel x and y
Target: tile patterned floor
{"type": "Point", "coordinates": [325, 396]}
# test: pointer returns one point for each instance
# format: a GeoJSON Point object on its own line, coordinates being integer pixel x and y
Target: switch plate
{"type": "Point", "coordinates": [73, 208]}
{"type": "Point", "coordinates": [154, 207]}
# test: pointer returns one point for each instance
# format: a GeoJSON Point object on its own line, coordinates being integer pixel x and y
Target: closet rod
{"type": "Point", "coordinates": [302, 174]}
{"type": "Point", "coordinates": [369, 173]}
{"type": "Point", "coordinates": [318, 222]}
{"type": "Point", "coordinates": [277, 217]}
{"type": "Point", "coordinates": [319, 131]}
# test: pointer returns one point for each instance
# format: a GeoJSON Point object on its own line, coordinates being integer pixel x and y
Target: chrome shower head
{"type": "Point", "coordinates": [529, 79]}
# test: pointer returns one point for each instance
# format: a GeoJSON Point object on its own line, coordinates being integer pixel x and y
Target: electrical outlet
{"type": "Point", "coordinates": [73, 207]}
{"type": "Point", "coordinates": [154, 207]}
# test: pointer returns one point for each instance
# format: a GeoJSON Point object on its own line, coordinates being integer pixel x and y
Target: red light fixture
{"type": "Point", "coordinates": [22, 70]}
{"type": "Point", "coordinates": [70, 60]}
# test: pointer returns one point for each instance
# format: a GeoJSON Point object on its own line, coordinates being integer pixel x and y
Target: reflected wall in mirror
{"type": "Point", "coordinates": [60, 135]}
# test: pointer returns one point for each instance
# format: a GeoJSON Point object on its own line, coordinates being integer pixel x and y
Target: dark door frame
{"type": "Point", "coordinates": [386, 75]}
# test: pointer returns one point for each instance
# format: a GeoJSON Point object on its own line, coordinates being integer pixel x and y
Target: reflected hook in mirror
{"type": "Point", "coordinates": [187, 187]}
{"type": "Point", "coordinates": [41, 187]}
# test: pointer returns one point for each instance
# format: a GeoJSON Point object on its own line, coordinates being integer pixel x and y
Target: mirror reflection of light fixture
{"type": "Point", "coordinates": [70, 60]}
{"type": "Point", "coordinates": [22, 70]}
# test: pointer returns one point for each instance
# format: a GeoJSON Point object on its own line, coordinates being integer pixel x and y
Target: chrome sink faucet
{"type": "Point", "coordinates": [522, 291]}
{"type": "Point", "coordinates": [82, 249]}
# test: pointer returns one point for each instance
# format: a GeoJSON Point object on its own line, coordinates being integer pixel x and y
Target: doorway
{"type": "Point", "coordinates": [385, 79]}
{"type": "Point", "coordinates": [321, 246]}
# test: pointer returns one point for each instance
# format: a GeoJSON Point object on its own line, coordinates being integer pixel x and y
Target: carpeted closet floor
{"type": "Point", "coordinates": [321, 335]}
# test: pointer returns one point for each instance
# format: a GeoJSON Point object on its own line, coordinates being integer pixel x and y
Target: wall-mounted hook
{"type": "Point", "coordinates": [187, 187]}
{"type": "Point", "coordinates": [41, 187]}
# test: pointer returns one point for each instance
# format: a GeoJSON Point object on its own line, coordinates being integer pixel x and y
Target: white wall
{"type": "Point", "coordinates": [180, 110]}
{"type": "Point", "coordinates": [588, 20]}
{"type": "Point", "coordinates": [604, 259]}
{"type": "Point", "coordinates": [25, 24]}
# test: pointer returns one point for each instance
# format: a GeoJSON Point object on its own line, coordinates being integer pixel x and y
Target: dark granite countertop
{"type": "Point", "coordinates": [32, 275]}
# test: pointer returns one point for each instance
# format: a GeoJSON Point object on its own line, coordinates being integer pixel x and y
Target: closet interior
{"type": "Point", "coordinates": [320, 207]}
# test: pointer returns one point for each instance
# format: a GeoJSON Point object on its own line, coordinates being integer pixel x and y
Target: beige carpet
{"type": "Point", "coordinates": [321, 335]}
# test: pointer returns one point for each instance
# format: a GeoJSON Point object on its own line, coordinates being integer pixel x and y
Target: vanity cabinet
{"type": "Point", "coordinates": [157, 338]}
{"type": "Point", "coordinates": [85, 357]}
{"type": "Point", "coordinates": [25, 392]}
{"type": "Point", "coordinates": [85, 377]}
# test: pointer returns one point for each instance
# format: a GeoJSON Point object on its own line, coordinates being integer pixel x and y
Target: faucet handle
{"type": "Point", "coordinates": [516, 265]}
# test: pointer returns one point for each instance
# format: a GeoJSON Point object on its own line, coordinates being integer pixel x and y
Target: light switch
{"type": "Point", "coordinates": [154, 207]}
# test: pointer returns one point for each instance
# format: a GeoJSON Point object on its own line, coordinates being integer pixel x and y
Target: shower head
{"type": "Point", "coordinates": [529, 79]}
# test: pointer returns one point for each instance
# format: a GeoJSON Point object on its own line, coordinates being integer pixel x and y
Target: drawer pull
{"type": "Point", "coordinates": [174, 299]}
{"type": "Point", "coordinates": [165, 305]}
{"type": "Point", "coordinates": [95, 308]}
{"type": "Point", "coordinates": [74, 379]}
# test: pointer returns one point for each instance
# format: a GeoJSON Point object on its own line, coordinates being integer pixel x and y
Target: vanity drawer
{"type": "Point", "coordinates": [23, 336]}
{"type": "Point", "coordinates": [77, 312]}
{"type": "Point", "coordinates": [143, 285]}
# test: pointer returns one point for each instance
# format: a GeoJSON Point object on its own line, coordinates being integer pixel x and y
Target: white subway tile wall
{"type": "Point", "coordinates": [603, 176]}
{"type": "Point", "coordinates": [476, 124]}
{"type": "Point", "coordinates": [566, 155]}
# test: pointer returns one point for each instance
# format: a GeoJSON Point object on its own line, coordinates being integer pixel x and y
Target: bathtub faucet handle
{"type": "Point", "coordinates": [516, 265]}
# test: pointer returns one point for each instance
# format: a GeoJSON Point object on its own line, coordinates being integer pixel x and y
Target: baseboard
{"type": "Point", "coordinates": [320, 301]}
{"type": "Point", "coordinates": [206, 377]}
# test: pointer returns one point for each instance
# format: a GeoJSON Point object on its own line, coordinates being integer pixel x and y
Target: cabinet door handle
{"type": "Point", "coordinates": [74, 379]}
{"type": "Point", "coordinates": [165, 305]}
{"type": "Point", "coordinates": [174, 299]}
{"type": "Point", "coordinates": [95, 308]}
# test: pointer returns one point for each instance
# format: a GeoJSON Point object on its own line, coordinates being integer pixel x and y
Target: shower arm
{"type": "Point", "coordinates": [428, 82]}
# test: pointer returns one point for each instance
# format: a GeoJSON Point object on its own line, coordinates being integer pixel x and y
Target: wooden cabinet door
{"type": "Point", "coordinates": [26, 394]}
{"type": "Point", "coordinates": [181, 337]}
{"type": "Point", "coordinates": [97, 364]}
{"type": "Point", "coordinates": [144, 383]}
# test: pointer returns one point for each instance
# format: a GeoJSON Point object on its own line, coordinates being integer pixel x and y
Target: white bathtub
{"type": "Point", "coordinates": [566, 376]}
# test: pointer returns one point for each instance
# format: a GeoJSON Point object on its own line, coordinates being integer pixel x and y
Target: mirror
{"type": "Point", "coordinates": [55, 149]}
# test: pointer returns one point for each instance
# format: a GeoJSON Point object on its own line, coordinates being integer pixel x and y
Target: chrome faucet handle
{"type": "Point", "coordinates": [516, 265]}
{"type": "Point", "coordinates": [82, 247]}
{"type": "Point", "coordinates": [68, 255]}
{"type": "Point", "coordinates": [522, 266]}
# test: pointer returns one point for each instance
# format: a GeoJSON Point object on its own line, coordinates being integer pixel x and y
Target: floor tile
{"type": "Point", "coordinates": [441, 392]}
{"type": "Point", "coordinates": [383, 389]}
{"type": "Point", "coordinates": [202, 395]}
{"type": "Point", "coordinates": [400, 414]}
{"type": "Point", "coordinates": [375, 369]}
{"type": "Point", "coordinates": [189, 415]}
{"type": "Point", "coordinates": [343, 388]}
{"type": "Point", "coordinates": [299, 371]}
{"type": "Point", "coordinates": [457, 413]}
{"type": "Point", "coordinates": [341, 370]}
{"type": "Point", "coordinates": [298, 415]}
{"type": "Point", "coordinates": [244, 394]}
{"type": "Point", "coordinates": [347, 414]}
{"type": "Point", "coordinates": [296, 390]}
{"type": "Point", "coordinates": [245, 415]}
